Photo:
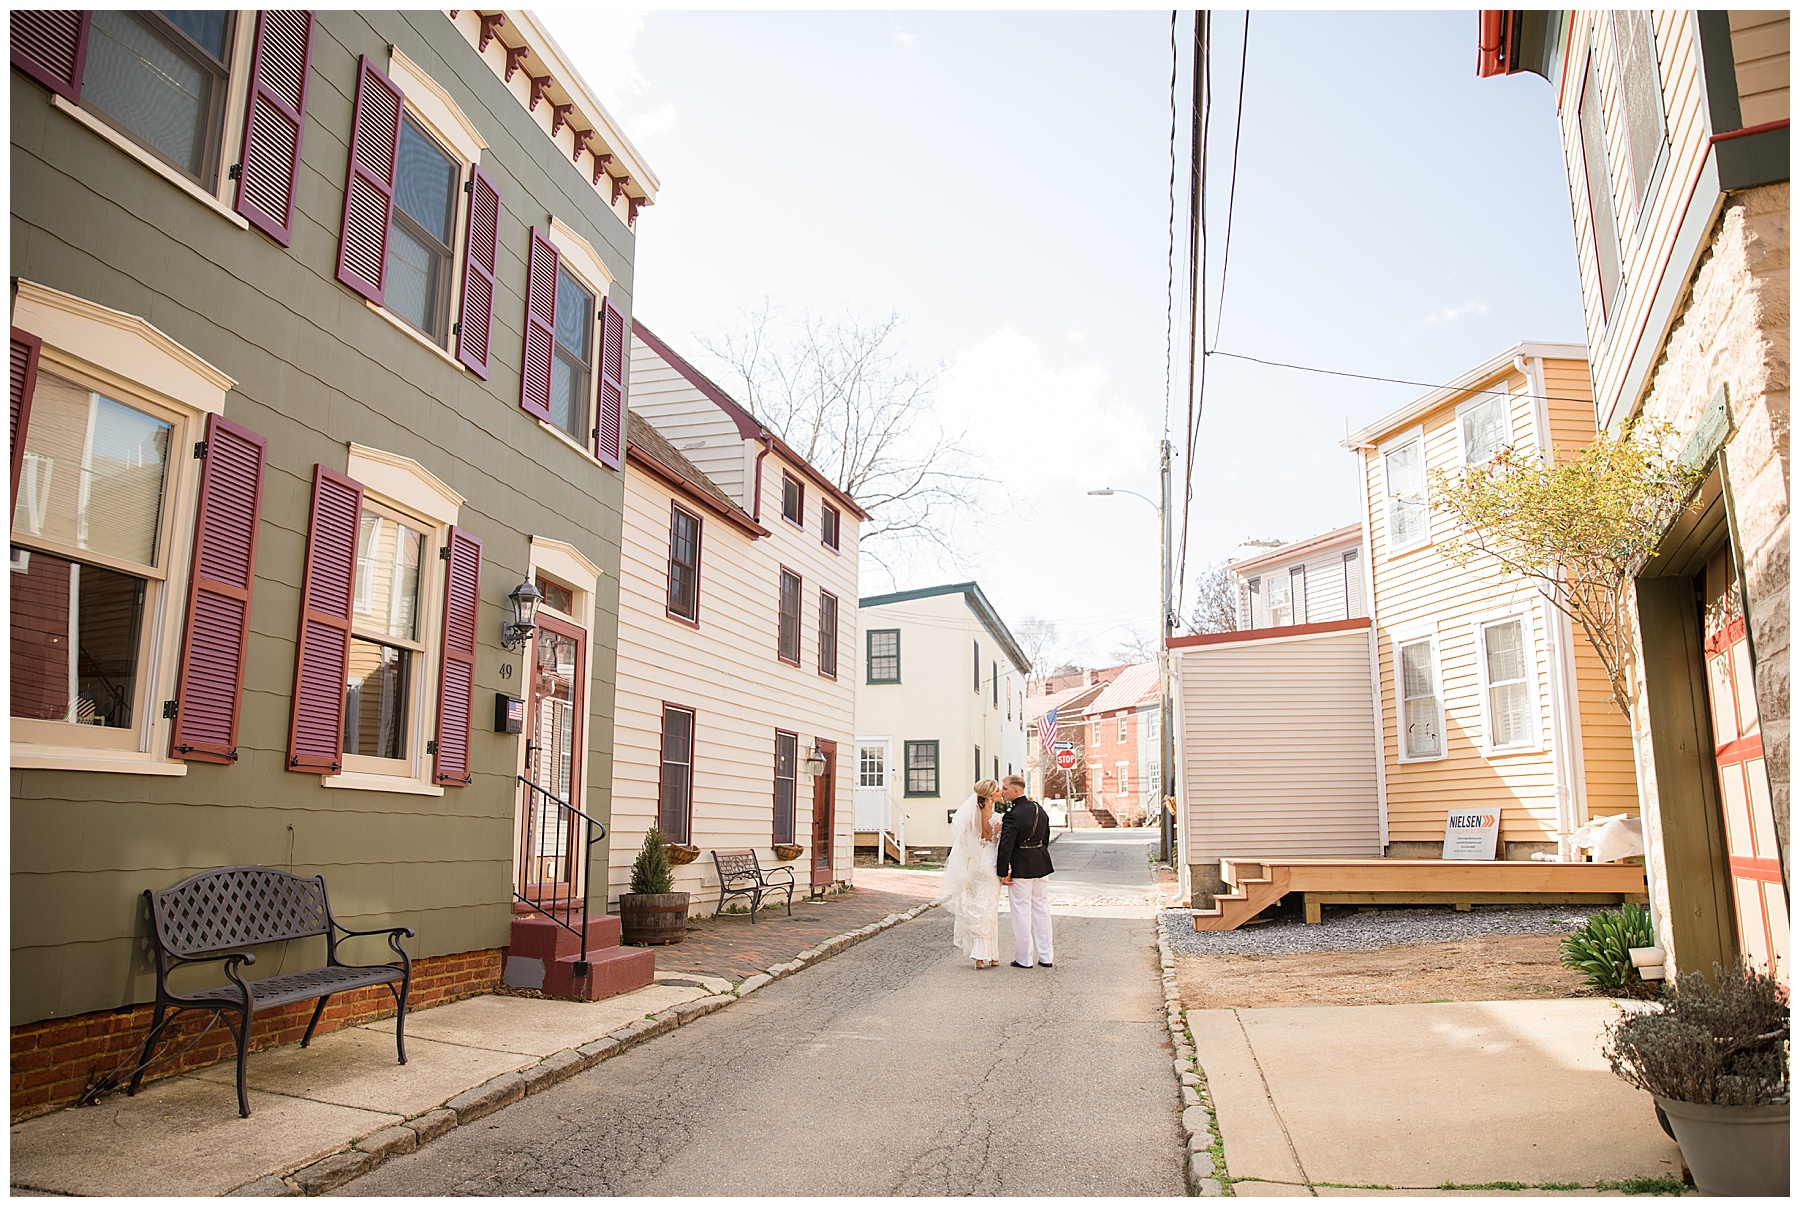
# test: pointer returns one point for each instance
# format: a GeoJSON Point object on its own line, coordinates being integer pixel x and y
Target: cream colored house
{"type": "Point", "coordinates": [1486, 696]}
{"type": "Point", "coordinates": [940, 704]}
{"type": "Point", "coordinates": [737, 638]}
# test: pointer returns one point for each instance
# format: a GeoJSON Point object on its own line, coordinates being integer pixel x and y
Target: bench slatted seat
{"type": "Point", "coordinates": [740, 875]}
{"type": "Point", "coordinates": [213, 916]}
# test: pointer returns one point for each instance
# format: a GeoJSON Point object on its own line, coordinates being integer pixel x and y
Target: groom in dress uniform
{"type": "Point", "coordinates": [1023, 862]}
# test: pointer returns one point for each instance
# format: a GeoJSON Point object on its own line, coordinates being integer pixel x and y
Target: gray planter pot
{"type": "Point", "coordinates": [1732, 1150]}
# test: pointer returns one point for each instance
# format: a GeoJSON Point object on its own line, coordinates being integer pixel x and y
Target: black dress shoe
{"type": "Point", "coordinates": [1026, 967]}
{"type": "Point", "coordinates": [1045, 964]}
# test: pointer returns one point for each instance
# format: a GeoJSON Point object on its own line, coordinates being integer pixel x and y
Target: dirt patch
{"type": "Point", "coordinates": [1488, 968]}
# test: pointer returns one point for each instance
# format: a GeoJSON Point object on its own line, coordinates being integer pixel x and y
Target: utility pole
{"type": "Point", "coordinates": [1166, 769]}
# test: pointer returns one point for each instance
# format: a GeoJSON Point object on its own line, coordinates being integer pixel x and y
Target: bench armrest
{"type": "Point", "coordinates": [405, 931]}
{"type": "Point", "coordinates": [233, 958]}
{"type": "Point", "coordinates": [393, 933]}
{"type": "Point", "coordinates": [770, 876]}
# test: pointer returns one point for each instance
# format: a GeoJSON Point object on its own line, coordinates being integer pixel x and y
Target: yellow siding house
{"type": "Point", "coordinates": [1486, 695]}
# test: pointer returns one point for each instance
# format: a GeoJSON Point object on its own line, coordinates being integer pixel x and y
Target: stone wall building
{"type": "Point", "coordinates": [1675, 138]}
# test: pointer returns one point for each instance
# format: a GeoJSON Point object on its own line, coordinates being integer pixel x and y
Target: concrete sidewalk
{"type": "Point", "coordinates": [322, 1116]}
{"type": "Point", "coordinates": [1346, 1100]}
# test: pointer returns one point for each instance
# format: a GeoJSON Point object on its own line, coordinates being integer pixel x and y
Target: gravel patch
{"type": "Point", "coordinates": [1404, 926]}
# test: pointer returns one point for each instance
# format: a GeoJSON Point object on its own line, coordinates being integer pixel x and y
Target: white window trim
{"type": "Point", "coordinates": [402, 486]}
{"type": "Point", "coordinates": [1394, 444]}
{"type": "Point", "coordinates": [1484, 397]}
{"type": "Point", "coordinates": [433, 106]}
{"type": "Point", "coordinates": [231, 133]}
{"type": "Point", "coordinates": [1399, 640]}
{"type": "Point", "coordinates": [1533, 679]}
{"type": "Point", "coordinates": [115, 352]}
{"type": "Point", "coordinates": [419, 337]}
{"type": "Point", "coordinates": [583, 262]}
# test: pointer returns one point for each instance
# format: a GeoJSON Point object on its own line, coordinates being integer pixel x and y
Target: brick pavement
{"type": "Point", "coordinates": [732, 946]}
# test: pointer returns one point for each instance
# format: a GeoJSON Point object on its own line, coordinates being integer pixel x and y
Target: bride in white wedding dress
{"type": "Point", "coordinates": [971, 888]}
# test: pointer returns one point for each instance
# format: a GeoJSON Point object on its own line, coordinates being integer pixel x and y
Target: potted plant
{"type": "Point", "coordinates": [787, 851]}
{"type": "Point", "coordinates": [653, 913]}
{"type": "Point", "coordinates": [1714, 1054]}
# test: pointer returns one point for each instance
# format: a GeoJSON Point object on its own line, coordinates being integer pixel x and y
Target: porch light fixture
{"type": "Point", "coordinates": [815, 761]}
{"type": "Point", "coordinates": [517, 631]}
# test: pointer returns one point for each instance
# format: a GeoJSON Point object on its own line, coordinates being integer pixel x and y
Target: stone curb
{"type": "Point", "coordinates": [1199, 1125]}
{"type": "Point", "coordinates": [373, 1150]}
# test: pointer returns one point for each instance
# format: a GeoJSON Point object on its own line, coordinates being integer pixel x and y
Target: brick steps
{"type": "Point", "coordinates": [546, 956]}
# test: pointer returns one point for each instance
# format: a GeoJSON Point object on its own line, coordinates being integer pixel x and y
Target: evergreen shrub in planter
{"type": "Point", "coordinates": [653, 912]}
{"type": "Point", "coordinates": [1714, 1054]}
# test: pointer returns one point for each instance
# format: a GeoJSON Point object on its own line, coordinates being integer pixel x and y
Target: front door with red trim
{"type": "Point", "coordinates": [824, 814]}
{"type": "Point", "coordinates": [1759, 895]}
{"type": "Point", "coordinates": [554, 729]}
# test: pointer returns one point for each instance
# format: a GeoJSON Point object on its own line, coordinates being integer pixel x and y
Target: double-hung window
{"type": "Point", "coordinates": [161, 79]}
{"type": "Point", "coordinates": [1124, 723]}
{"type": "Point", "coordinates": [419, 251]}
{"type": "Point", "coordinates": [571, 365]}
{"type": "Point", "coordinates": [1096, 731]}
{"type": "Point", "coordinates": [1281, 599]}
{"type": "Point", "coordinates": [386, 651]}
{"type": "Point", "coordinates": [994, 670]}
{"type": "Point", "coordinates": [828, 634]}
{"type": "Point", "coordinates": [133, 558]}
{"type": "Point", "coordinates": [1506, 684]}
{"type": "Point", "coordinates": [922, 769]}
{"type": "Point", "coordinates": [684, 564]}
{"type": "Point", "coordinates": [793, 499]}
{"type": "Point", "coordinates": [1640, 87]}
{"type": "Point", "coordinates": [675, 789]}
{"type": "Point", "coordinates": [975, 666]}
{"type": "Point", "coordinates": [884, 655]}
{"type": "Point", "coordinates": [788, 640]}
{"type": "Point", "coordinates": [830, 522]}
{"type": "Point", "coordinates": [1483, 425]}
{"type": "Point", "coordinates": [787, 762]}
{"type": "Point", "coordinates": [1421, 713]}
{"type": "Point", "coordinates": [1408, 513]}
{"type": "Point", "coordinates": [1603, 227]}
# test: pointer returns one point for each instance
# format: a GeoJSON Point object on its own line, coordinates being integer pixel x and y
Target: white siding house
{"type": "Point", "coordinates": [940, 702]}
{"type": "Point", "coordinates": [1303, 582]}
{"type": "Point", "coordinates": [737, 640]}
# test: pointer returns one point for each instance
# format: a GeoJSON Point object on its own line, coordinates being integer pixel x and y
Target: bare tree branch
{"type": "Point", "coordinates": [1215, 601]}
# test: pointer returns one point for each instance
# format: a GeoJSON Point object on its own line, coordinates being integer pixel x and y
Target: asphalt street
{"type": "Point", "coordinates": [895, 1068]}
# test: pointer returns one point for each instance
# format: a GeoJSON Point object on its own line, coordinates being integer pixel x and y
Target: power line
{"type": "Point", "coordinates": [1169, 338]}
{"type": "Point", "coordinates": [1231, 198]}
{"type": "Point", "coordinates": [1202, 109]}
{"type": "Point", "coordinates": [1398, 381]}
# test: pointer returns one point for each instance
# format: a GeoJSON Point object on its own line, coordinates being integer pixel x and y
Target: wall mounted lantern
{"type": "Point", "coordinates": [517, 631]}
{"type": "Point", "coordinates": [815, 761]}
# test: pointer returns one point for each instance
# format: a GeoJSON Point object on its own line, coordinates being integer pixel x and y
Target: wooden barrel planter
{"type": "Point", "coordinates": [652, 919]}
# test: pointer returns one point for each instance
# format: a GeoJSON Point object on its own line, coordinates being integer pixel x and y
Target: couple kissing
{"type": "Point", "coordinates": [987, 853]}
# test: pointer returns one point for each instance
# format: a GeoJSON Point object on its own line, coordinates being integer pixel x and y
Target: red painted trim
{"type": "Point", "coordinates": [800, 500]}
{"type": "Point", "coordinates": [675, 481]}
{"type": "Point", "coordinates": [1745, 132]}
{"type": "Point", "coordinates": [836, 546]}
{"type": "Point", "coordinates": [1741, 751]}
{"type": "Point", "coordinates": [693, 716]}
{"type": "Point", "coordinates": [1725, 638]}
{"type": "Point", "coordinates": [1749, 868]}
{"type": "Point", "coordinates": [1286, 630]}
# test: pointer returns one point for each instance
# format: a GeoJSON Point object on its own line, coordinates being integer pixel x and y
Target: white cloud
{"type": "Point", "coordinates": [902, 39]}
{"type": "Point", "coordinates": [601, 41]}
{"type": "Point", "coordinates": [1450, 314]}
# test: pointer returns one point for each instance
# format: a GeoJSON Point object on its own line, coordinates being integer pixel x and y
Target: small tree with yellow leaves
{"type": "Point", "coordinates": [1581, 527]}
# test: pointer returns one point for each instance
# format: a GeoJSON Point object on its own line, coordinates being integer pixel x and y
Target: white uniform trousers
{"type": "Point", "coordinates": [1030, 904]}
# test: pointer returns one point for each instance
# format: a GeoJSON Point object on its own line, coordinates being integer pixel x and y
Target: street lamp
{"type": "Point", "coordinates": [1166, 748]}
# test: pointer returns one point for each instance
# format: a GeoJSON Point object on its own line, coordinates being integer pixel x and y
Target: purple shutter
{"type": "Point", "coordinates": [609, 419]}
{"type": "Point", "coordinates": [476, 325]}
{"type": "Point", "coordinates": [369, 188]}
{"type": "Point", "coordinates": [456, 677]}
{"type": "Point", "coordinates": [211, 683]}
{"type": "Point", "coordinates": [50, 46]}
{"type": "Point", "coordinates": [540, 327]}
{"type": "Point", "coordinates": [316, 735]}
{"type": "Point", "coordinates": [274, 121]}
{"type": "Point", "coordinates": [25, 350]}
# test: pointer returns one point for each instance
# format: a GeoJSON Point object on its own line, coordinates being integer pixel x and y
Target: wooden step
{"type": "Point", "coordinates": [1248, 895]}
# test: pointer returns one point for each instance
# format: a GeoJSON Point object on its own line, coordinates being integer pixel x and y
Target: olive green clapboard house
{"type": "Point", "coordinates": [318, 353]}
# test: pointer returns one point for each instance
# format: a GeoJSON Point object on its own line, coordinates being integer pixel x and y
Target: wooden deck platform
{"type": "Point", "coordinates": [1256, 884]}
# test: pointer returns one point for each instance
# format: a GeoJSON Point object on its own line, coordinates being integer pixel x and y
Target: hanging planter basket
{"type": "Point", "coordinates": [786, 851]}
{"type": "Point", "coordinates": [680, 853]}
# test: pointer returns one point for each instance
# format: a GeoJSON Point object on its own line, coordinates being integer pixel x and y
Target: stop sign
{"type": "Point", "coordinates": [1065, 759]}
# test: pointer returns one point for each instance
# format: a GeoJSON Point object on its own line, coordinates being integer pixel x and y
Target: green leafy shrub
{"type": "Point", "coordinates": [1601, 950]}
{"type": "Point", "coordinates": [651, 871]}
{"type": "Point", "coordinates": [1722, 1042]}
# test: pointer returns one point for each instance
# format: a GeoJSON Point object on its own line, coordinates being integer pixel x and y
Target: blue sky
{"type": "Point", "coordinates": [1001, 180]}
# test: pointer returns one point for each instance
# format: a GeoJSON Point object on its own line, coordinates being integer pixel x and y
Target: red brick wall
{"type": "Point", "coordinates": [54, 1060]}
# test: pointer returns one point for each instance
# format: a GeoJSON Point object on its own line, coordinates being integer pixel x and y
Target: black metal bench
{"type": "Point", "coordinates": [213, 916]}
{"type": "Point", "coordinates": [740, 875]}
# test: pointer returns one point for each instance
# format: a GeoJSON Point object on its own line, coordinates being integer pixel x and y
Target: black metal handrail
{"type": "Point", "coordinates": [548, 879]}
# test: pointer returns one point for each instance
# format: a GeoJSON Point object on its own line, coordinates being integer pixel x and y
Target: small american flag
{"type": "Point", "coordinates": [1047, 731]}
